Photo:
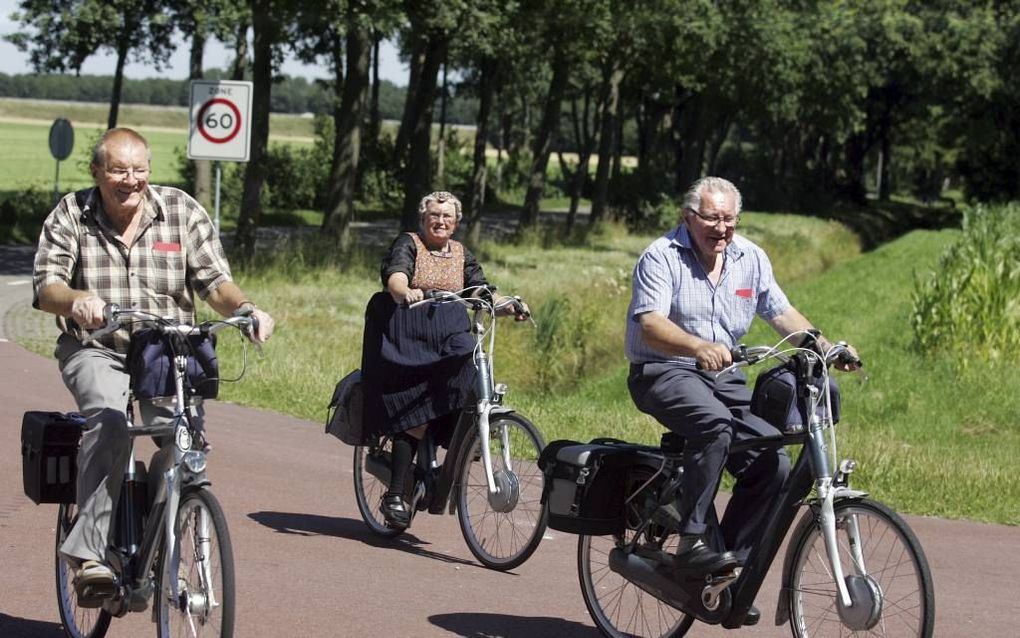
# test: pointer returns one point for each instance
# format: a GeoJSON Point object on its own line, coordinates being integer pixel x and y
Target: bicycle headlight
{"type": "Point", "coordinates": [194, 461]}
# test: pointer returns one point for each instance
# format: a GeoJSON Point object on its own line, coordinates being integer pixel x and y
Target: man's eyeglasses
{"type": "Point", "coordinates": [120, 174]}
{"type": "Point", "coordinates": [443, 217]}
{"type": "Point", "coordinates": [729, 222]}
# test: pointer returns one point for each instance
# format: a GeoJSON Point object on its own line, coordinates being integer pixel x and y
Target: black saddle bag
{"type": "Point", "coordinates": [585, 485]}
{"type": "Point", "coordinates": [49, 455]}
{"type": "Point", "coordinates": [345, 418]}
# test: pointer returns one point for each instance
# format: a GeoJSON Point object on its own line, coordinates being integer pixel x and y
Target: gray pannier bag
{"type": "Point", "coordinates": [345, 419]}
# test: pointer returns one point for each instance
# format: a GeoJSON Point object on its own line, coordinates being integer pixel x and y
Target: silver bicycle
{"type": "Point", "coordinates": [490, 467]}
{"type": "Point", "coordinates": [172, 540]}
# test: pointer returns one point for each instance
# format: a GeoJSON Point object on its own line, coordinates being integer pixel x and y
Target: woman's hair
{"type": "Point", "coordinates": [438, 197]}
{"type": "Point", "coordinates": [705, 185]}
{"type": "Point", "coordinates": [99, 150]}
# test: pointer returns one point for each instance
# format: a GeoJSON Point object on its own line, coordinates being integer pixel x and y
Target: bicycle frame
{"type": "Point", "coordinates": [135, 556]}
{"type": "Point", "coordinates": [811, 469]}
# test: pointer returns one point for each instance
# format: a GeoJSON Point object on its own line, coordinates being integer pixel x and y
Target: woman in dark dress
{"type": "Point", "coordinates": [416, 362]}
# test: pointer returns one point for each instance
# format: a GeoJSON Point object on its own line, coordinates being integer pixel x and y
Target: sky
{"type": "Point", "coordinates": [13, 61]}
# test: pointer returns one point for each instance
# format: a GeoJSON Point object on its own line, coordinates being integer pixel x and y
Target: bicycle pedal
{"type": "Point", "coordinates": [93, 596]}
{"type": "Point", "coordinates": [723, 577]}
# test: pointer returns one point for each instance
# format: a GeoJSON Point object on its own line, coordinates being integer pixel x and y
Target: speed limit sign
{"type": "Point", "coordinates": [220, 120]}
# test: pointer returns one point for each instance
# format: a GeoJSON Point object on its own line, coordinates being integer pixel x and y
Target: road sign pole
{"type": "Point", "coordinates": [216, 221]}
{"type": "Point", "coordinates": [56, 185]}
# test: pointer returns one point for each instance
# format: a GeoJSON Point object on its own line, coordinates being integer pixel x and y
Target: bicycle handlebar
{"type": "Point", "coordinates": [114, 315]}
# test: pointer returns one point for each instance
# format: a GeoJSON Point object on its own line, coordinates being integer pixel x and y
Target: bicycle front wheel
{"type": "Point", "coordinates": [196, 577]}
{"type": "Point", "coordinates": [883, 564]}
{"type": "Point", "coordinates": [618, 607]}
{"type": "Point", "coordinates": [502, 530]}
{"type": "Point", "coordinates": [369, 489]}
{"type": "Point", "coordinates": [78, 622]}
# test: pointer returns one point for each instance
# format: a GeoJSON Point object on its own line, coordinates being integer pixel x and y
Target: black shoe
{"type": "Point", "coordinates": [752, 617]}
{"type": "Point", "coordinates": [695, 558]}
{"type": "Point", "coordinates": [395, 511]}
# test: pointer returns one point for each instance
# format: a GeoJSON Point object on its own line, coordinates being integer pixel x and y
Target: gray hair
{"type": "Point", "coordinates": [99, 150]}
{"type": "Point", "coordinates": [439, 197]}
{"type": "Point", "coordinates": [705, 185]}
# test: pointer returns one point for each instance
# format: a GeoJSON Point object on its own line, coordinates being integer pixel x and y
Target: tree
{"type": "Point", "coordinates": [60, 35]}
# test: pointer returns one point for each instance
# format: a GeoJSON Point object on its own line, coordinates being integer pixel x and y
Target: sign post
{"type": "Point", "coordinates": [220, 125]}
{"type": "Point", "coordinates": [61, 145]}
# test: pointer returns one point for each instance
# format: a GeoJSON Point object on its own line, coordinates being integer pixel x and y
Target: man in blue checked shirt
{"type": "Point", "coordinates": [695, 292]}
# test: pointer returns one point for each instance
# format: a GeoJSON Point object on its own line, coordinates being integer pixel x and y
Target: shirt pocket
{"type": "Point", "coordinates": [165, 274]}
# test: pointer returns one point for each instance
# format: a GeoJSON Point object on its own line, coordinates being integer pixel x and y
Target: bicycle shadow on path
{"type": "Point", "coordinates": [506, 626]}
{"type": "Point", "coordinates": [303, 524]}
{"type": "Point", "coordinates": [13, 627]}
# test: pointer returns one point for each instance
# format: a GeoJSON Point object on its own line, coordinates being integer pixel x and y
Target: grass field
{"type": "Point", "coordinates": [927, 440]}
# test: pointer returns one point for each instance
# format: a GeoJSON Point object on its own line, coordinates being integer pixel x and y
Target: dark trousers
{"type": "Point", "coordinates": [711, 414]}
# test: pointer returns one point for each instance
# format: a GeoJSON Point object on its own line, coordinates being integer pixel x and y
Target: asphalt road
{"type": "Point", "coordinates": [307, 566]}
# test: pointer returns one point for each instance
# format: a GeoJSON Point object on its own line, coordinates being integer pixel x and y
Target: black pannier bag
{"type": "Point", "coordinates": [152, 365]}
{"type": "Point", "coordinates": [49, 455]}
{"type": "Point", "coordinates": [585, 484]}
{"type": "Point", "coordinates": [775, 399]}
{"type": "Point", "coordinates": [345, 419]}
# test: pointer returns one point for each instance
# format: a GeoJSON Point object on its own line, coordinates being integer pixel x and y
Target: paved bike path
{"type": "Point", "coordinates": [307, 566]}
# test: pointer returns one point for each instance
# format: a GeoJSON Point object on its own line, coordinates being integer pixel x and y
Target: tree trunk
{"type": "Point", "coordinates": [203, 168]}
{"type": "Point", "coordinates": [374, 120]}
{"type": "Point", "coordinates": [543, 140]}
{"type": "Point", "coordinates": [610, 111]}
{"type": "Point", "coordinates": [584, 141]}
{"type": "Point", "coordinates": [886, 189]}
{"type": "Point", "coordinates": [416, 62]}
{"type": "Point", "coordinates": [241, 53]}
{"type": "Point", "coordinates": [418, 172]}
{"type": "Point", "coordinates": [349, 118]}
{"type": "Point", "coordinates": [476, 196]}
{"type": "Point", "coordinates": [441, 146]}
{"type": "Point", "coordinates": [118, 83]}
{"type": "Point", "coordinates": [264, 30]}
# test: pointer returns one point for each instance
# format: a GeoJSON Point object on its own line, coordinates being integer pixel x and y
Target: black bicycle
{"type": "Point", "coordinates": [853, 566]}
{"type": "Point", "coordinates": [171, 536]}
{"type": "Point", "coordinates": [490, 467]}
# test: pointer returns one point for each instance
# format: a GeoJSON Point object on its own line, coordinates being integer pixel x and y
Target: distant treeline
{"type": "Point", "coordinates": [290, 94]}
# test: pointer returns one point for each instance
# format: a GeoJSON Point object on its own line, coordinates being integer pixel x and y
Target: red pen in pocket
{"type": "Point", "coordinates": [744, 292]}
{"type": "Point", "coordinates": [166, 247]}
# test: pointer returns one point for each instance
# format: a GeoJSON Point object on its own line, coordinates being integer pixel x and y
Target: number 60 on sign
{"type": "Point", "coordinates": [220, 122]}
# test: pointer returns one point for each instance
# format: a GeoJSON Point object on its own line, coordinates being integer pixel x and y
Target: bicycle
{"type": "Point", "coordinates": [853, 566]}
{"type": "Point", "coordinates": [489, 467]}
{"type": "Point", "coordinates": [171, 541]}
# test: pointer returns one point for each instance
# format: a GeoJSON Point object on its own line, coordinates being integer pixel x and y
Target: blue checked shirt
{"type": "Point", "coordinates": [669, 279]}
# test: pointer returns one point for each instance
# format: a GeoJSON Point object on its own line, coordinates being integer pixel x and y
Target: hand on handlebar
{"type": "Point", "coordinates": [87, 311]}
{"type": "Point", "coordinates": [712, 356]}
{"type": "Point", "coordinates": [847, 360]}
{"type": "Point", "coordinates": [413, 295]}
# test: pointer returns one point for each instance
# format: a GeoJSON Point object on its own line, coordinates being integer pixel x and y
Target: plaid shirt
{"type": "Point", "coordinates": [669, 279]}
{"type": "Point", "coordinates": [175, 254]}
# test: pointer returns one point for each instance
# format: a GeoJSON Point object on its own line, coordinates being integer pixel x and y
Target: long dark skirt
{"type": "Point", "coordinates": [415, 363]}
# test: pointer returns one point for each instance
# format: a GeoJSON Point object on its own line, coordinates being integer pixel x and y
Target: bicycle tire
{"type": "Point", "coordinates": [522, 514]}
{"type": "Point", "coordinates": [619, 608]}
{"type": "Point", "coordinates": [77, 622]}
{"type": "Point", "coordinates": [893, 561]}
{"type": "Point", "coordinates": [368, 491]}
{"type": "Point", "coordinates": [201, 535]}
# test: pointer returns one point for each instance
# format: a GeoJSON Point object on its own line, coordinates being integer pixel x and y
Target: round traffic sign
{"type": "Point", "coordinates": [61, 139]}
{"type": "Point", "coordinates": [219, 125]}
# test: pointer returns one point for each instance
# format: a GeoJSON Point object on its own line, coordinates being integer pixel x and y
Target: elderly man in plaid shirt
{"type": "Point", "coordinates": [695, 293]}
{"type": "Point", "coordinates": [140, 246]}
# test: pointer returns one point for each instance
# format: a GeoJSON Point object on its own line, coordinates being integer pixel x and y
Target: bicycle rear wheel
{"type": "Point", "coordinates": [618, 607]}
{"type": "Point", "coordinates": [503, 530]}
{"type": "Point", "coordinates": [894, 596]}
{"type": "Point", "coordinates": [78, 622]}
{"type": "Point", "coordinates": [368, 489]}
{"type": "Point", "coordinates": [202, 567]}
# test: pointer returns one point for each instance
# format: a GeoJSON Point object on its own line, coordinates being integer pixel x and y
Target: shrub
{"type": "Point", "coordinates": [970, 305]}
{"type": "Point", "coordinates": [22, 214]}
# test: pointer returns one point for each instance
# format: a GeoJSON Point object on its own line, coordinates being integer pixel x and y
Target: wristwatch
{"type": "Point", "coordinates": [244, 308]}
